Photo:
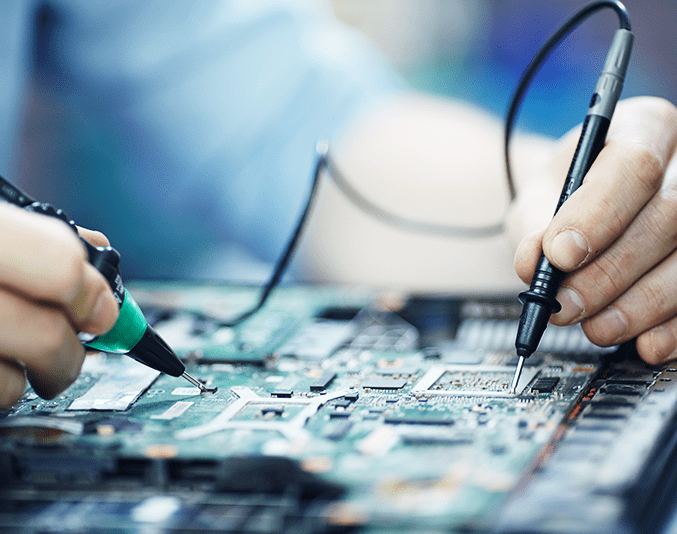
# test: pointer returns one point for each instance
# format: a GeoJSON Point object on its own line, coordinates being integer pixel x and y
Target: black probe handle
{"type": "Point", "coordinates": [540, 300]}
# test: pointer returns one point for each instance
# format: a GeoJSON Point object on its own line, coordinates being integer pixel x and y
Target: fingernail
{"type": "Point", "coordinates": [663, 343]}
{"type": "Point", "coordinates": [611, 325]}
{"type": "Point", "coordinates": [572, 307]}
{"type": "Point", "coordinates": [569, 249]}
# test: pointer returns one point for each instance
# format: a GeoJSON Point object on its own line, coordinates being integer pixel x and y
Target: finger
{"type": "Point", "coordinates": [93, 309]}
{"type": "Point", "coordinates": [13, 383]}
{"type": "Point", "coordinates": [44, 260]}
{"type": "Point", "coordinates": [595, 214]}
{"type": "Point", "coordinates": [632, 163]}
{"type": "Point", "coordinates": [648, 303]}
{"type": "Point", "coordinates": [527, 254]}
{"type": "Point", "coordinates": [649, 239]}
{"type": "Point", "coordinates": [42, 338]}
{"type": "Point", "coordinates": [659, 345]}
{"type": "Point", "coordinates": [95, 238]}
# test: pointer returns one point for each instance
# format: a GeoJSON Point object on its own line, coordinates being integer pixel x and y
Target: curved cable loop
{"type": "Point", "coordinates": [324, 161]}
{"type": "Point", "coordinates": [538, 61]}
{"type": "Point", "coordinates": [405, 223]}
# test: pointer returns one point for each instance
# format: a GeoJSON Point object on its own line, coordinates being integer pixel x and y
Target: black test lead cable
{"type": "Point", "coordinates": [325, 162]}
{"type": "Point", "coordinates": [539, 301]}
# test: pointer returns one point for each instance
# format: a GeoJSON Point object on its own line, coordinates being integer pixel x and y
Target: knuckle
{"type": "Point", "coordinates": [614, 220]}
{"type": "Point", "coordinates": [654, 296]}
{"type": "Point", "coordinates": [55, 331]}
{"type": "Point", "coordinates": [69, 268]}
{"type": "Point", "coordinates": [608, 277]}
{"type": "Point", "coordinates": [662, 223]}
{"type": "Point", "coordinates": [647, 167]}
{"type": "Point", "coordinates": [662, 108]}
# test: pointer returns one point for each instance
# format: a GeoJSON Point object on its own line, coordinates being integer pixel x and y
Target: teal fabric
{"type": "Point", "coordinates": [185, 130]}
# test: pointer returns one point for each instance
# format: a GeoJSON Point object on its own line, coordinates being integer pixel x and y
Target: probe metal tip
{"type": "Point", "coordinates": [518, 373]}
{"type": "Point", "coordinates": [198, 384]}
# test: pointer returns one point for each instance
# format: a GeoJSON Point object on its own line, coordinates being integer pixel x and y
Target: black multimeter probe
{"type": "Point", "coordinates": [131, 334]}
{"type": "Point", "coordinates": [539, 301]}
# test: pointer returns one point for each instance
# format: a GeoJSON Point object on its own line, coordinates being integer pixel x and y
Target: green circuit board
{"type": "Point", "coordinates": [397, 407]}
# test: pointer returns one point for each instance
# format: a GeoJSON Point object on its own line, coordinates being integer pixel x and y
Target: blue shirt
{"type": "Point", "coordinates": [184, 131]}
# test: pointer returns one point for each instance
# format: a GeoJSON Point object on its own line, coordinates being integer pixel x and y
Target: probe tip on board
{"type": "Point", "coordinates": [518, 373]}
{"type": "Point", "coordinates": [198, 384]}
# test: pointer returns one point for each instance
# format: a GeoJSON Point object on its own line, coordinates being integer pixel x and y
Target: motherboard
{"type": "Point", "coordinates": [345, 410]}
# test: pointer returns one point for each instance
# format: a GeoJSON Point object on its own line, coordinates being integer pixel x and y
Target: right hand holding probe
{"type": "Point", "coordinates": [616, 236]}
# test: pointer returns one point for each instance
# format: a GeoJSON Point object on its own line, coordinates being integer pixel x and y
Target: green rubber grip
{"type": "Point", "coordinates": [127, 331]}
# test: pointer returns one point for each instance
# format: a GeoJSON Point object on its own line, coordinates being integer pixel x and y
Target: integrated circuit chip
{"type": "Point", "coordinates": [545, 384]}
{"type": "Point", "coordinates": [322, 382]}
{"type": "Point", "coordinates": [472, 380]}
{"type": "Point", "coordinates": [384, 382]}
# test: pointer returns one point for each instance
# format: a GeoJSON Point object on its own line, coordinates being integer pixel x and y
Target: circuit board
{"type": "Point", "coordinates": [342, 410]}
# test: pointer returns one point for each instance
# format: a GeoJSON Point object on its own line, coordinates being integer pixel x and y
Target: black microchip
{"type": "Point", "coordinates": [606, 412]}
{"type": "Point", "coordinates": [623, 389]}
{"type": "Point", "coordinates": [118, 424]}
{"type": "Point", "coordinates": [323, 381]}
{"type": "Point", "coordinates": [384, 383]}
{"type": "Point", "coordinates": [339, 414]}
{"type": "Point", "coordinates": [406, 370]}
{"type": "Point", "coordinates": [426, 439]}
{"type": "Point", "coordinates": [638, 377]}
{"type": "Point", "coordinates": [546, 384]}
{"type": "Point", "coordinates": [601, 397]}
{"type": "Point", "coordinates": [339, 314]}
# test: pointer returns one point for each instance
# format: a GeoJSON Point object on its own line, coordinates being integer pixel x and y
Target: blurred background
{"type": "Point", "coordinates": [477, 49]}
{"type": "Point", "coordinates": [474, 50]}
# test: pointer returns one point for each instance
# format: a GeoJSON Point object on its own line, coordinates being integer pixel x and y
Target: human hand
{"type": "Point", "coordinates": [617, 234]}
{"type": "Point", "coordinates": [48, 293]}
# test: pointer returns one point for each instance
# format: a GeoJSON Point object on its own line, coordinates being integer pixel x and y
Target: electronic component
{"type": "Point", "coordinates": [467, 380]}
{"type": "Point", "coordinates": [545, 384]}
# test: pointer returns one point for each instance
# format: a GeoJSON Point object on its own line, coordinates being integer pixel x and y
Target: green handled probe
{"type": "Point", "coordinates": [131, 334]}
